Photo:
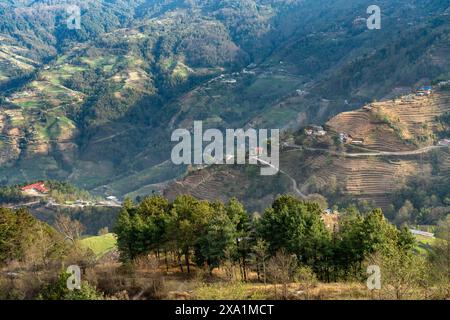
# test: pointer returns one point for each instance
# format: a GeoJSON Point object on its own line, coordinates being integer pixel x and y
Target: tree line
{"type": "Point", "coordinates": [212, 234]}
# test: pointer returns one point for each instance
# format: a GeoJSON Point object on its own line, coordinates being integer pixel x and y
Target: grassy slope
{"type": "Point", "coordinates": [100, 245]}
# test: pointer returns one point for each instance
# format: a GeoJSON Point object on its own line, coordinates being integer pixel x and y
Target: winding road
{"type": "Point", "coordinates": [294, 182]}
{"type": "Point", "coordinates": [345, 154]}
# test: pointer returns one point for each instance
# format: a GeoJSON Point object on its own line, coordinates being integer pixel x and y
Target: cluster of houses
{"type": "Point", "coordinates": [346, 138]}
{"type": "Point", "coordinates": [444, 83]}
{"type": "Point", "coordinates": [315, 131]}
{"type": "Point", "coordinates": [39, 189]}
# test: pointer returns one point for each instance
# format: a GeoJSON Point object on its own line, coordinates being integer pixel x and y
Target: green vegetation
{"type": "Point", "coordinates": [421, 201]}
{"type": "Point", "coordinates": [139, 68]}
{"type": "Point", "coordinates": [269, 256]}
{"type": "Point", "coordinates": [100, 245]}
{"type": "Point", "coordinates": [64, 191]}
{"type": "Point", "coordinates": [11, 194]}
{"type": "Point", "coordinates": [211, 231]}
{"type": "Point", "coordinates": [58, 290]}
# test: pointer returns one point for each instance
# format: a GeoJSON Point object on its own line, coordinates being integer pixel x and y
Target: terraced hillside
{"type": "Point", "coordinates": [383, 166]}
{"type": "Point", "coordinates": [225, 182]}
{"type": "Point", "coordinates": [14, 60]}
{"type": "Point", "coordinates": [96, 106]}
{"type": "Point", "coordinates": [395, 125]}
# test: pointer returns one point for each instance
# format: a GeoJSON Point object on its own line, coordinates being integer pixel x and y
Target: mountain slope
{"type": "Point", "coordinates": [374, 172]}
{"type": "Point", "coordinates": [137, 70]}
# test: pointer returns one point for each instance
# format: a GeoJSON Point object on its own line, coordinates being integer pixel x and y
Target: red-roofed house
{"type": "Point", "coordinates": [35, 188]}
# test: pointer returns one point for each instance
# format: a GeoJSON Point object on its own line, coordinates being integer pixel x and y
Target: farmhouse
{"type": "Point", "coordinates": [35, 189]}
{"type": "Point", "coordinates": [346, 138]}
{"type": "Point", "coordinates": [422, 233]}
{"type": "Point", "coordinates": [257, 151]}
{"type": "Point", "coordinates": [315, 130]}
{"type": "Point", "coordinates": [424, 91]}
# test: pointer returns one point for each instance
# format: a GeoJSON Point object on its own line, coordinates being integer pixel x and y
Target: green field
{"type": "Point", "coordinates": [100, 245]}
{"type": "Point", "coordinates": [423, 243]}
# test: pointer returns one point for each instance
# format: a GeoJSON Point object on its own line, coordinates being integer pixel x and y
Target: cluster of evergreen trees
{"type": "Point", "coordinates": [213, 233]}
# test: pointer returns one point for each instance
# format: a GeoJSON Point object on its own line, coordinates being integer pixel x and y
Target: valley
{"type": "Point", "coordinates": [371, 172]}
{"type": "Point", "coordinates": [104, 103]}
{"type": "Point", "coordinates": [134, 73]}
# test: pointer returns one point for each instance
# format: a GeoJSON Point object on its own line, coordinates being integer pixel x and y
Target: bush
{"type": "Point", "coordinates": [58, 290]}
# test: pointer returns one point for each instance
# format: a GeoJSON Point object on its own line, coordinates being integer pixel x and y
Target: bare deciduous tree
{"type": "Point", "coordinates": [70, 229]}
{"type": "Point", "coordinates": [281, 269]}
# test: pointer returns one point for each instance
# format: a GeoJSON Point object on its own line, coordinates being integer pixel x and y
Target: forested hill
{"type": "Point", "coordinates": [136, 70]}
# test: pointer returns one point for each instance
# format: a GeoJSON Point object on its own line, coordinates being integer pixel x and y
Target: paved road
{"type": "Point", "coordinates": [29, 204]}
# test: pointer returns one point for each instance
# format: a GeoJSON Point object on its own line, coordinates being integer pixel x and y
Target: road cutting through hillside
{"type": "Point", "coordinates": [375, 153]}
{"type": "Point", "coordinates": [294, 182]}
{"type": "Point", "coordinates": [360, 154]}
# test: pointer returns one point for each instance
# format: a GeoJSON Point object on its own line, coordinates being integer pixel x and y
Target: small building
{"type": "Point", "coordinates": [320, 133]}
{"type": "Point", "coordinates": [315, 130]}
{"type": "Point", "coordinates": [257, 151]}
{"type": "Point", "coordinates": [359, 21]}
{"type": "Point", "coordinates": [424, 91]}
{"type": "Point", "coordinates": [344, 138]}
{"type": "Point", "coordinates": [422, 233]}
{"type": "Point", "coordinates": [444, 142]}
{"type": "Point", "coordinates": [35, 189]}
{"type": "Point", "coordinates": [229, 81]}
{"type": "Point", "coordinates": [330, 219]}
{"type": "Point", "coordinates": [444, 83]}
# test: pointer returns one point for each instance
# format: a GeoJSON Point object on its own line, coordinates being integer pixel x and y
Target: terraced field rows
{"type": "Point", "coordinates": [204, 185]}
{"type": "Point", "coordinates": [393, 125]}
{"type": "Point", "coordinates": [445, 165]}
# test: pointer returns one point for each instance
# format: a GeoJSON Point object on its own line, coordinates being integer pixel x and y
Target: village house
{"type": "Point", "coordinates": [257, 151]}
{"type": "Point", "coordinates": [422, 233]}
{"type": "Point", "coordinates": [229, 81]}
{"type": "Point", "coordinates": [424, 91]}
{"type": "Point", "coordinates": [357, 141]}
{"type": "Point", "coordinates": [444, 142]}
{"type": "Point", "coordinates": [315, 130]}
{"type": "Point", "coordinates": [444, 83]}
{"type": "Point", "coordinates": [35, 189]}
{"type": "Point", "coordinates": [346, 138]}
